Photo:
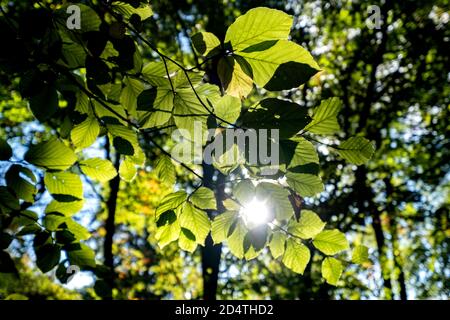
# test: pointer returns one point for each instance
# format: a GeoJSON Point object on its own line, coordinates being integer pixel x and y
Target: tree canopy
{"type": "Point", "coordinates": [217, 149]}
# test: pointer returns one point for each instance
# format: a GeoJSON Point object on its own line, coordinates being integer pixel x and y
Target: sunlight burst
{"type": "Point", "coordinates": [255, 212]}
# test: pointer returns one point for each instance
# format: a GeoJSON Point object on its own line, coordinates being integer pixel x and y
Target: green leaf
{"type": "Point", "coordinates": [204, 198]}
{"type": "Point", "coordinates": [5, 150]}
{"type": "Point", "coordinates": [360, 254]}
{"type": "Point", "coordinates": [296, 256]}
{"type": "Point", "coordinates": [84, 134]}
{"type": "Point", "coordinates": [332, 270]}
{"type": "Point", "coordinates": [47, 257]}
{"type": "Point", "coordinates": [21, 187]}
{"type": "Point", "coordinates": [228, 108]}
{"type": "Point", "coordinates": [271, 113]}
{"type": "Point", "coordinates": [255, 240]}
{"type": "Point", "coordinates": [8, 201]}
{"type": "Point", "coordinates": [169, 228]}
{"type": "Point", "coordinates": [307, 185]}
{"type": "Point", "coordinates": [130, 93]}
{"type": "Point", "coordinates": [205, 43]}
{"type": "Point", "coordinates": [52, 221]}
{"type": "Point", "coordinates": [304, 154]}
{"type": "Point", "coordinates": [186, 241]}
{"type": "Point", "coordinates": [244, 191]}
{"type": "Point", "coordinates": [196, 221]}
{"type": "Point", "coordinates": [308, 226]}
{"type": "Point", "coordinates": [53, 155]}
{"type": "Point", "coordinates": [235, 76]}
{"type": "Point", "coordinates": [81, 255]}
{"type": "Point", "coordinates": [236, 240]}
{"type": "Point", "coordinates": [277, 197]}
{"type": "Point", "coordinates": [221, 225]}
{"type": "Point", "coordinates": [45, 104]}
{"type": "Point", "coordinates": [98, 169]}
{"type": "Point", "coordinates": [65, 208]}
{"type": "Point", "coordinates": [283, 66]}
{"type": "Point", "coordinates": [127, 169]}
{"type": "Point", "coordinates": [325, 117]}
{"type": "Point", "coordinates": [258, 25]}
{"type": "Point", "coordinates": [331, 242]}
{"type": "Point", "coordinates": [80, 232]}
{"type": "Point", "coordinates": [125, 139]}
{"type": "Point", "coordinates": [64, 186]}
{"type": "Point", "coordinates": [165, 170]}
{"type": "Point", "coordinates": [171, 202]}
{"type": "Point", "coordinates": [277, 244]}
{"type": "Point", "coordinates": [155, 107]}
{"type": "Point", "coordinates": [29, 229]}
{"type": "Point", "coordinates": [356, 150]}
{"type": "Point", "coordinates": [144, 11]}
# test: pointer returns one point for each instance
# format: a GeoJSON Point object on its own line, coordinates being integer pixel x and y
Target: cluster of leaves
{"type": "Point", "coordinates": [111, 94]}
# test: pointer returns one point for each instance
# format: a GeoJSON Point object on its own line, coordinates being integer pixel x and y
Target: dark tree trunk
{"type": "Point", "coordinates": [211, 253]}
{"type": "Point", "coordinates": [110, 227]}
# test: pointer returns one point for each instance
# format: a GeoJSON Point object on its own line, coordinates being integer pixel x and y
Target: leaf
{"type": "Point", "coordinates": [5, 150]}
{"type": "Point", "coordinates": [221, 225]}
{"type": "Point", "coordinates": [98, 169]}
{"type": "Point", "coordinates": [21, 187]}
{"type": "Point", "coordinates": [65, 208]}
{"type": "Point", "coordinates": [144, 11]}
{"type": "Point", "coordinates": [196, 221]}
{"type": "Point", "coordinates": [123, 146]}
{"type": "Point", "coordinates": [47, 257]}
{"type": "Point", "coordinates": [204, 198]}
{"type": "Point", "coordinates": [304, 154]}
{"type": "Point", "coordinates": [84, 134]}
{"type": "Point", "coordinates": [236, 240]}
{"type": "Point", "coordinates": [165, 170]}
{"type": "Point", "coordinates": [356, 150]}
{"type": "Point", "coordinates": [130, 93]}
{"type": "Point", "coordinates": [127, 169]}
{"type": "Point", "coordinates": [296, 256]}
{"type": "Point", "coordinates": [168, 228]}
{"type": "Point", "coordinates": [271, 113]}
{"type": "Point", "coordinates": [331, 270]}
{"type": "Point", "coordinates": [157, 106]}
{"type": "Point", "coordinates": [307, 185]}
{"type": "Point", "coordinates": [283, 66]}
{"type": "Point", "coordinates": [258, 25]}
{"type": "Point", "coordinates": [228, 108]}
{"type": "Point", "coordinates": [360, 254]}
{"type": "Point", "coordinates": [205, 43]}
{"type": "Point", "coordinates": [325, 117]}
{"type": "Point", "coordinates": [255, 240]}
{"type": "Point", "coordinates": [64, 186]}
{"type": "Point", "coordinates": [186, 241]}
{"type": "Point", "coordinates": [235, 77]}
{"type": "Point", "coordinates": [244, 191]}
{"type": "Point", "coordinates": [277, 197]}
{"type": "Point", "coordinates": [171, 202]}
{"type": "Point", "coordinates": [80, 232]}
{"type": "Point", "coordinates": [277, 244]}
{"type": "Point", "coordinates": [6, 263]}
{"type": "Point", "coordinates": [308, 226]}
{"type": "Point", "coordinates": [81, 255]}
{"type": "Point", "coordinates": [45, 104]}
{"type": "Point", "coordinates": [8, 200]}
{"type": "Point", "coordinates": [53, 155]}
{"type": "Point", "coordinates": [331, 242]}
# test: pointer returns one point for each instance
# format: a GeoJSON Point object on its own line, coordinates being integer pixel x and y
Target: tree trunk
{"type": "Point", "coordinates": [211, 253]}
{"type": "Point", "coordinates": [110, 228]}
